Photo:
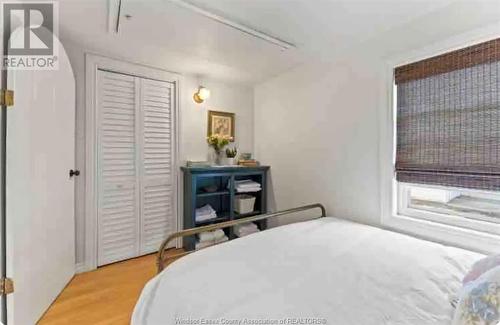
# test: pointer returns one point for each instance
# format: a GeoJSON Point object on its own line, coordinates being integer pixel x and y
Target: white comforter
{"type": "Point", "coordinates": [325, 271]}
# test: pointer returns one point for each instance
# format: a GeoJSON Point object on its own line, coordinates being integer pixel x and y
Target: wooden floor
{"type": "Point", "coordinates": [104, 296]}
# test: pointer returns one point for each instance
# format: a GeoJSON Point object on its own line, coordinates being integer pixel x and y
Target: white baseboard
{"type": "Point", "coordinates": [80, 268]}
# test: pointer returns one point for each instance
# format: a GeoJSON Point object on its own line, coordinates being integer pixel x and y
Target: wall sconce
{"type": "Point", "coordinates": [201, 95]}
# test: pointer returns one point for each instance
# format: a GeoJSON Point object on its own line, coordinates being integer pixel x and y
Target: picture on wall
{"type": "Point", "coordinates": [221, 123]}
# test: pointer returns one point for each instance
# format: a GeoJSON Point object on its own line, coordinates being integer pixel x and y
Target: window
{"type": "Point", "coordinates": [447, 139]}
{"type": "Point", "coordinates": [471, 209]}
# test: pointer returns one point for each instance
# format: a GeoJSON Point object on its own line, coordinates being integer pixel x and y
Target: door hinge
{"type": "Point", "coordinates": [6, 286]}
{"type": "Point", "coordinates": [6, 97]}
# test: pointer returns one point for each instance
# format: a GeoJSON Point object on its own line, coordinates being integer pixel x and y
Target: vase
{"type": "Point", "coordinates": [230, 161]}
{"type": "Point", "coordinates": [215, 157]}
{"type": "Point", "coordinates": [218, 159]}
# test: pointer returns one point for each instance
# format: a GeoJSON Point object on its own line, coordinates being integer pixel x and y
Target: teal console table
{"type": "Point", "coordinates": [221, 179]}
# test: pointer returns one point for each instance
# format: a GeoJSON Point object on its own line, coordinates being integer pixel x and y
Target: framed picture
{"type": "Point", "coordinates": [221, 123]}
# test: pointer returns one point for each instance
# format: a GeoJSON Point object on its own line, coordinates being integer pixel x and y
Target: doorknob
{"type": "Point", "coordinates": [75, 172]}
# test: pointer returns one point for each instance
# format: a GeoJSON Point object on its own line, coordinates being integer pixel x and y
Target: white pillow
{"type": "Point", "coordinates": [482, 266]}
{"type": "Point", "coordinates": [479, 301]}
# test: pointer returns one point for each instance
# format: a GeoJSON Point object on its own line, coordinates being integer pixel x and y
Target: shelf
{"type": "Point", "coordinates": [223, 199]}
{"type": "Point", "coordinates": [208, 194]}
{"type": "Point", "coordinates": [244, 215]}
{"type": "Point", "coordinates": [224, 217]}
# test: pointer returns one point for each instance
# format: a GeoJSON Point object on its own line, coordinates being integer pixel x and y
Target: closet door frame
{"type": "Point", "coordinates": [93, 63]}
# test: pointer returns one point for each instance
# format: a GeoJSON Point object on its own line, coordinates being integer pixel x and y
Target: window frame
{"type": "Point", "coordinates": [424, 227]}
{"type": "Point", "coordinates": [404, 208]}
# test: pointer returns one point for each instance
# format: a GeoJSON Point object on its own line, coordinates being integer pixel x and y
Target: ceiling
{"type": "Point", "coordinates": [162, 33]}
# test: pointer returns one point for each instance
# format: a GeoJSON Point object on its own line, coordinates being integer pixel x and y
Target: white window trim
{"type": "Point", "coordinates": [446, 234]}
{"type": "Point", "coordinates": [93, 62]}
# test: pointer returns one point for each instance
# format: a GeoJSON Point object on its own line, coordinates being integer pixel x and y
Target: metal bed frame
{"type": "Point", "coordinates": [162, 261]}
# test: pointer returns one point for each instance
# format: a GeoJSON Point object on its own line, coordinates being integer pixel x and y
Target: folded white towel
{"type": "Point", "coordinates": [200, 245]}
{"type": "Point", "coordinates": [204, 210]}
{"type": "Point", "coordinates": [222, 239]}
{"type": "Point", "coordinates": [248, 189]}
{"type": "Point", "coordinates": [205, 244]}
{"type": "Point", "coordinates": [218, 234]}
{"type": "Point", "coordinates": [246, 183]}
{"type": "Point", "coordinates": [245, 233]}
{"type": "Point", "coordinates": [245, 229]}
{"type": "Point", "coordinates": [246, 226]}
{"type": "Point", "coordinates": [252, 186]}
{"type": "Point", "coordinates": [206, 217]}
{"type": "Point", "coordinates": [211, 235]}
{"type": "Point", "coordinates": [205, 213]}
{"type": "Point", "coordinates": [206, 236]}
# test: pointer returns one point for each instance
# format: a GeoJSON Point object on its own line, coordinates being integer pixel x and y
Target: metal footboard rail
{"type": "Point", "coordinates": [160, 261]}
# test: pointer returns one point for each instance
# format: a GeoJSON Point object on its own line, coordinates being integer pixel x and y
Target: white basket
{"type": "Point", "coordinates": [244, 203]}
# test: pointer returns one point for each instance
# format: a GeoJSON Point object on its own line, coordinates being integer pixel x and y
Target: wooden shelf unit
{"type": "Point", "coordinates": [222, 200]}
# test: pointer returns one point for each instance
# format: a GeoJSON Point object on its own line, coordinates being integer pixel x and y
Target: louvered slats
{"type": "Point", "coordinates": [117, 226]}
{"type": "Point", "coordinates": [157, 210]}
{"type": "Point", "coordinates": [156, 109]}
{"type": "Point", "coordinates": [135, 165]}
{"type": "Point", "coordinates": [157, 213]}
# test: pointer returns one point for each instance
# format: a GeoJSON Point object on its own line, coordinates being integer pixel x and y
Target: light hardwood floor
{"type": "Point", "coordinates": [104, 296]}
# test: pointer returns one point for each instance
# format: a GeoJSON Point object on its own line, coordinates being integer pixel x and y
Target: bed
{"type": "Point", "coordinates": [323, 271]}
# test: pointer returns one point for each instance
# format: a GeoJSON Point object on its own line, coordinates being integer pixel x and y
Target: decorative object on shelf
{"type": "Point", "coordinates": [230, 155]}
{"type": "Point", "coordinates": [217, 142]}
{"type": "Point", "coordinates": [201, 94]}
{"type": "Point", "coordinates": [193, 163]}
{"type": "Point", "coordinates": [248, 162]}
{"type": "Point", "coordinates": [221, 123]}
{"type": "Point", "coordinates": [210, 188]}
{"type": "Point", "coordinates": [244, 203]}
{"type": "Point", "coordinates": [245, 156]}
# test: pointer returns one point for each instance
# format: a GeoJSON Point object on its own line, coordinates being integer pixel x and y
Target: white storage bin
{"type": "Point", "coordinates": [244, 203]}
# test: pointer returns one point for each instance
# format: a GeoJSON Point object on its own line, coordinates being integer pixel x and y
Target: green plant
{"type": "Point", "coordinates": [231, 152]}
{"type": "Point", "coordinates": [218, 142]}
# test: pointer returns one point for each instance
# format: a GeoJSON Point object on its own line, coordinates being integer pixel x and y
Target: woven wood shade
{"type": "Point", "coordinates": [448, 119]}
{"type": "Point", "coordinates": [460, 59]}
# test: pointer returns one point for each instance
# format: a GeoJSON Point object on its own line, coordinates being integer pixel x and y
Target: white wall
{"type": "Point", "coordinates": [224, 97]}
{"type": "Point", "coordinates": [317, 126]}
{"type": "Point", "coordinates": [193, 120]}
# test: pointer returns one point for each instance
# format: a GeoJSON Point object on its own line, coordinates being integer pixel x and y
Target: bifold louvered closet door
{"type": "Point", "coordinates": [157, 174]}
{"type": "Point", "coordinates": [135, 170]}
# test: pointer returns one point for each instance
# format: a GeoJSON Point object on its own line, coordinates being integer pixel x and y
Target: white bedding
{"type": "Point", "coordinates": [330, 270]}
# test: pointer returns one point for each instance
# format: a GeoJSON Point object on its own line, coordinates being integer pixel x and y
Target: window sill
{"type": "Point", "coordinates": [445, 234]}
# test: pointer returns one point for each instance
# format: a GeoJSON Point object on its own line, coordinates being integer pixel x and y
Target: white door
{"type": "Point", "coordinates": [117, 183]}
{"type": "Point", "coordinates": [157, 174]}
{"type": "Point", "coordinates": [40, 192]}
{"type": "Point", "coordinates": [135, 165]}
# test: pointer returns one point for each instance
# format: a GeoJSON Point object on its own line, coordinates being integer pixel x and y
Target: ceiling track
{"type": "Point", "coordinates": [114, 13]}
{"type": "Point", "coordinates": [235, 25]}
{"type": "Point", "coordinates": [117, 28]}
